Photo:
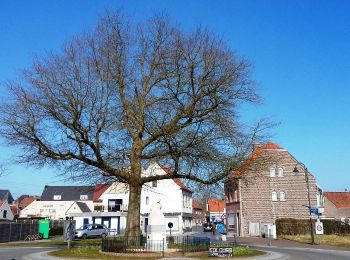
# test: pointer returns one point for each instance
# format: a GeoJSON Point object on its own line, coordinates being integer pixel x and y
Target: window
{"type": "Point", "coordinates": [282, 196]}
{"type": "Point", "coordinates": [231, 220]}
{"type": "Point", "coordinates": [274, 196]}
{"type": "Point", "coordinates": [280, 172]}
{"type": "Point", "coordinates": [154, 184]}
{"type": "Point", "coordinates": [147, 200]}
{"type": "Point", "coordinates": [114, 205]}
{"type": "Point", "coordinates": [235, 198]}
{"type": "Point", "coordinates": [56, 197]}
{"type": "Point", "coordinates": [83, 197]}
{"type": "Point", "coordinates": [4, 215]}
{"type": "Point", "coordinates": [272, 172]}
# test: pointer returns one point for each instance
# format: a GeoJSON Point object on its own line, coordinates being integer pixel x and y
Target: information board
{"type": "Point", "coordinates": [220, 252]}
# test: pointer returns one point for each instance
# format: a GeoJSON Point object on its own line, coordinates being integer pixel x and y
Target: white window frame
{"type": "Point", "coordinates": [282, 196]}
{"type": "Point", "coordinates": [274, 196]}
{"type": "Point", "coordinates": [84, 197]}
{"type": "Point", "coordinates": [57, 197]}
{"type": "Point", "coordinates": [280, 172]}
{"type": "Point", "coordinates": [272, 172]}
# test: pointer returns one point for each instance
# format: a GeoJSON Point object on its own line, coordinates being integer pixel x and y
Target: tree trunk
{"type": "Point", "coordinates": [133, 218]}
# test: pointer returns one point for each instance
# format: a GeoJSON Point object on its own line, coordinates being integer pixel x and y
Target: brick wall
{"type": "Point", "coordinates": [256, 186]}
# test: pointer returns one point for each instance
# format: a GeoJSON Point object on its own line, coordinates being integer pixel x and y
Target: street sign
{"type": "Point", "coordinates": [314, 211]}
{"type": "Point", "coordinates": [223, 216]}
{"type": "Point", "coordinates": [319, 228]}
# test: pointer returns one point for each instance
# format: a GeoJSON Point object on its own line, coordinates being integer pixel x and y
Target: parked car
{"type": "Point", "coordinates": [207, 227]}
{"type": "Point", "coordinates": [91, 230]}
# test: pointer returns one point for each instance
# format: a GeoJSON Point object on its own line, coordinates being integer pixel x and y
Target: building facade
{"type": "Point", "coordinates": [270, 184]}
{"type": "Point", "coordinates": [337, 206]}
{"type": "Point", "coordinates": [174, 196]}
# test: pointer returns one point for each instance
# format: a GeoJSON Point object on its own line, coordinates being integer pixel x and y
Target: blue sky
{"type": "Point", "coordinates": [300, 51]}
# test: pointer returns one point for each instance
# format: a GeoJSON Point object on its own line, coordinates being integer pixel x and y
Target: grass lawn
{"type": "Point", "coordinates": [53, 243]}
{"type": "Point", "coordinates": [331, 240]}
{"type": "Point", "coordinates": [94, 253]}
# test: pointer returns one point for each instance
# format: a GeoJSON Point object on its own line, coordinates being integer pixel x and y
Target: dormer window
{"type": "Point", "coordinates": [56, 197]}
{"type": "Point", "coordinates": [83, 197]}
{"type": "Point", "coordinates": [154, 184]}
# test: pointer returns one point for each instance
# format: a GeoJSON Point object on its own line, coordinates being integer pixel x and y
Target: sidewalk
{"type": "Point", "coordinates": [264, 242]}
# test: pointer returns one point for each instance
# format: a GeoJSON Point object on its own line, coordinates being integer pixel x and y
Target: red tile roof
{"type": "Point", "coordinates": [14, 209]}
{"type": "Point", "coordinates": [176, 180]}
{"type": "Point", "coordinates": [216, 205]}
{"type": "Point", "coordinates": [339, 199]}
{"type": "Point", "coordinates": [26, 201]}
{"type": "Point", "coordinates": [196, 205]}
{"type": "Point", "coordinates": [99, 190]}
{"type": "Point", "coordinates": [254, 154]}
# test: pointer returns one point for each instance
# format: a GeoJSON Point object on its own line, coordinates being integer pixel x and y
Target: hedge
{"type": "Point", "coordinates": [290, 226]}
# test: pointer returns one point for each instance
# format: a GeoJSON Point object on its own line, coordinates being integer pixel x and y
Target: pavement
{"type": "Point", "coordinates": [264, 242]}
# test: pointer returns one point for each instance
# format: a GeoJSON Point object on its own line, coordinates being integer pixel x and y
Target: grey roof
{"type": "Point", "coordinates": [6, 195]}
{"type": "Point", "coordinates": [68, 193]}
{"type": "Point", "coordinates": [83, 207]}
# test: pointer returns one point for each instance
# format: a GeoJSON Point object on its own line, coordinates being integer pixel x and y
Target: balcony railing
{"type": "Point", "coordinates": [116, 208]}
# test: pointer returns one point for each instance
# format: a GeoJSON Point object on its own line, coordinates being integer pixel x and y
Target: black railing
{"type": "Point", "coordinates": [188, 243]}
{"type": "Point", "coordinates": [123, 244]}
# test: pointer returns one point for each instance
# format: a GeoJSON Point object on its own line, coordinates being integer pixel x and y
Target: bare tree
{"type": "Point", "coordinates": [124, 94]}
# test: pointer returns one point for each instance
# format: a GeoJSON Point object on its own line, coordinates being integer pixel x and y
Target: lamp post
{"type": "Point", "coordinates": [308, 197]}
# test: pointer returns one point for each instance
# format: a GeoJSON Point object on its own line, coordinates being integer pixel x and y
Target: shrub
{"type": "Point", "coordinates": [289, 226]}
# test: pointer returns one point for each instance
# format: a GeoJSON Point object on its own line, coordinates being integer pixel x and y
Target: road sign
{"type": "Point", "coordinates": [319, 228]}
{"type": "Point", "coordinates": [314, 211]}
{"type": "Point", "coordinates": [223, 216]}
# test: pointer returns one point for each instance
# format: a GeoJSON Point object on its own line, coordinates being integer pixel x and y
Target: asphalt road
{"type": "Point", "coordinates": [25, 253]}
{"type": "Point", "coordinates": [278, 253]}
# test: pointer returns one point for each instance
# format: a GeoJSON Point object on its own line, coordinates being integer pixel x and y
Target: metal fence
{"type": "Point", "coordinates": [188, 243]}
{"type": "Point", "coordinates": [124, 244]}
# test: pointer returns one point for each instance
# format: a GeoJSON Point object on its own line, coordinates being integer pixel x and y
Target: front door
{"type": "Point", "coordinates": [146, 224]}
{"type": "Point", "coordinates": [106, 221]}
{"type": "Point", "coordinates": [85, 221]}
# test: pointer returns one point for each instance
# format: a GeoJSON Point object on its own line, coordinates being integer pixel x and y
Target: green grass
{"type": "Point", "coordinates": [94, 253]}
{"type": "Point", "coordinates": [52, 243]}
{"type": "Point", "coordinates": [330, 240]}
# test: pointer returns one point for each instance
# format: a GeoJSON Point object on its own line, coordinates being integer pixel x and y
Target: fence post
{"type": "Point", "coordinates": [10, 232]}
{"type": "Point", "coordinates": [163, 247]}
{"type": "Point", "coordinates": [20, 232]}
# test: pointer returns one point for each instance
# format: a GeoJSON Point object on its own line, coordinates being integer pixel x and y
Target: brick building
{"type": "Point", "coordinates": [266, 188]}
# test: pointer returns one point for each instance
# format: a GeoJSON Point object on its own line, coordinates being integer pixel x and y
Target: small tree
{"type": "Point", "coordinates": [122, 95]}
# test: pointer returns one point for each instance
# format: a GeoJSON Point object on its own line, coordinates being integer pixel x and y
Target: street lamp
{"type": "Point", "coordinates": [308, 197]}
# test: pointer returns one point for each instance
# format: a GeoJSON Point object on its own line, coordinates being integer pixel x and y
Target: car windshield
{"type": "Point", "coordinates": [84, 227]}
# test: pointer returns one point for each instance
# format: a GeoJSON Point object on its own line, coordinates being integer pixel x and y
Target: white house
{"type": "Point", "coordinates": [175, 198]}
{"type": "Point", "coordinates": [5, 211]}
{"type": "Point", "coordinates": [57, 202]}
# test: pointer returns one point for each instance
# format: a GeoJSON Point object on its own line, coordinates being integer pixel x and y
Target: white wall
{"type": "Point", "coordinates": [51, 209]}
{"type": "Point", "coordinates": [5, 207]}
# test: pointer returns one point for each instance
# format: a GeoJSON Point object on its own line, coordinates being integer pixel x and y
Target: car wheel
{"type": "Point", "coordinates": [84, 236]}
{"type": "Point", "coordinates": [104, 235]}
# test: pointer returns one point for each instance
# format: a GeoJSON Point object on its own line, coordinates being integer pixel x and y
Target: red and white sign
{"type": "Point", "coordinates": [223, 216]}
{"type": "Point", "coordinates": [319, 228]}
